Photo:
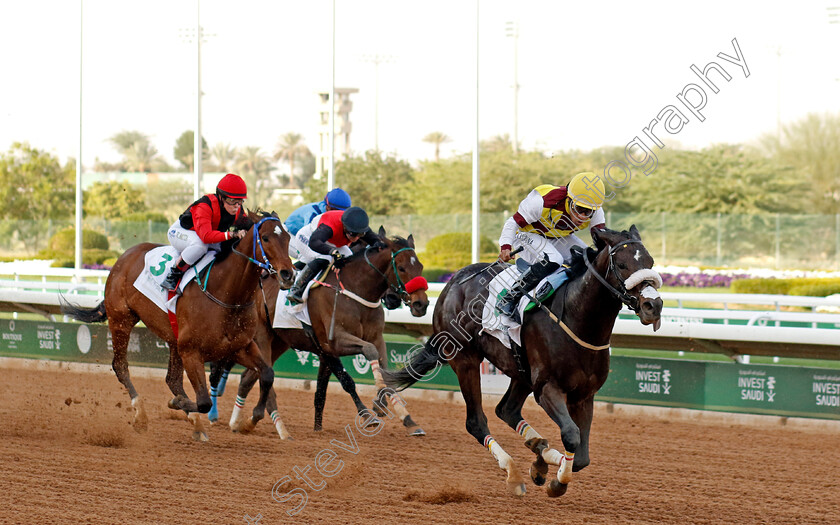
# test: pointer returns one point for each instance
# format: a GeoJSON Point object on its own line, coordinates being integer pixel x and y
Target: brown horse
{"type": "Point", "coordinates": [216, 319]}
{"type": "Point", "coordinates": [347, 319]}
{"type": "Point", "coordinates": [565, 356]}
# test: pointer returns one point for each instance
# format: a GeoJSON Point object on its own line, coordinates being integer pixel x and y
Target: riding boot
{"type": "Point", "coordinates": [526, 282]}
{"type": "Point", "coordinates": [175, 274]}
{"type": "Point", "coordinates": [312, 269]}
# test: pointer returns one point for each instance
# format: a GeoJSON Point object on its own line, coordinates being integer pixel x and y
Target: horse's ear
{"type": "Point", "coordinates": [382, 231]}
{"type": "Point", "coordinates": [634, 233]}
{"type": "Point", "coordinates": [410, 240]}
{"type": "Point", "coordinates": [598, 237]}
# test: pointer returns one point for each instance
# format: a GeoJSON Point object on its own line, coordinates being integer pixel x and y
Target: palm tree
{"type": "Point", "coordinates": [497, 144]}
{"type": "Point", "coordinates": [140, 157]}
{"type": "Point", "coordinates": [437, 138]}
{"type": "Point", "coordinates": [224, 155]}
{"type": "Point", "coordinates": [290, 146]}
{"type": "Point", "coordinates": [255, 167]}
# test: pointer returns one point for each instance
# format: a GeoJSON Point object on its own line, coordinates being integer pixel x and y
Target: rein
{"type": "Point", "coordinates": [399, 288]}
{"type": "Point", "coordinates": [265, 265]}
{"type": "Point", "coordinates": [621, 293]}
{"type": "Point", "coordinates": [565, 327]}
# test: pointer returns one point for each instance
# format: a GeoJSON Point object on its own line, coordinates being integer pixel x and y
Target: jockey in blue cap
{"type": "Point", "coordinates": [336, 199]}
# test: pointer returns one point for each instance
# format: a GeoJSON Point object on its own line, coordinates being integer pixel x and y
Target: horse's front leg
{"type": "Point", "coordinates": [581, 413]}
{"type": "Point", "coordinates": [194, 366]}
{"type": "Point", "coordinates": [553, 400]}
{"type": "Point", "coordinates": [250, 357]}
{"type": "Point", "coordinates": [509, 410]}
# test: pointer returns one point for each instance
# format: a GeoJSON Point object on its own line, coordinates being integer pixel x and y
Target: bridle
{"type": "Point", "coordinates": [621, 292]}
{"type": "Point", "coordinates": [399, 287]}
{"type": "Point", "coordinates": [256, 242]}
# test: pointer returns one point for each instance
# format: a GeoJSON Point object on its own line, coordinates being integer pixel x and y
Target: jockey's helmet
{"type": "Point", "coordinates": [586, 190]}
{"type": "Point", "coordinates": [232, 186]}
{"type": "Point", "coordinates": [338, 199]}
{"type": "Point", "coordinates": [355, 220]}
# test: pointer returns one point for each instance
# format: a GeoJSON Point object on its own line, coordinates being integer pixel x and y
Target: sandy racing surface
{"type": "Point", "coordinates": [68, 454]}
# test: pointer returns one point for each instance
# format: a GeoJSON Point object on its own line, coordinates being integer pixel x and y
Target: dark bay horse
{"type": "Point", "coordinates": [347, 319]}
{"type": "Point", "coordinates": [216, 319]}
{"type": "Point", "coordinates": [565, 344]}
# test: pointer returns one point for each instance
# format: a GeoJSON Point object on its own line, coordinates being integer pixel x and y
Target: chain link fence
{"type": "Point", "coordinates": [718, 240]}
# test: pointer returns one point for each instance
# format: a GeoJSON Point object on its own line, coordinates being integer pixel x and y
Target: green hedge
{"type": "Point", "coordinates": [65, 240]}
{"type": "Point", "coordinates": [811, 286]}
{"type": "Point", "coordinates": [452, 251]}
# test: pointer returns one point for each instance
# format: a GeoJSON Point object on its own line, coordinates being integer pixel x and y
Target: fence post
{"type": "Point", "coordinates": [718, 257]}
{"type": "Point", "coordinates": [778, 240]}
{"type": "Point", "coordinates": [837, 239]}
{"type": "Point", "coordinates": [663, 239]}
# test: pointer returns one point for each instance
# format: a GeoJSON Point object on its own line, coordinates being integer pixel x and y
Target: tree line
{"type": "Point", "coordinates": [797, 172]}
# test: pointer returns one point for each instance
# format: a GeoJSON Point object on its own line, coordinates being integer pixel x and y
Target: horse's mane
{"type": "Point", "coordinates": [359, 248]}
{"type": "Point", "coordinates": [244, 222]}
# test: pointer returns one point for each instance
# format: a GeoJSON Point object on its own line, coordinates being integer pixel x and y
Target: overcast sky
{"type": "Point", "coordinates": [591, 73]}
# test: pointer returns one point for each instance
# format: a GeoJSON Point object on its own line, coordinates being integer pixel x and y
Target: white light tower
{"type": "Point", "coordinates": [512, 30]}
{"type": "Point", "coordinates": [377, 59]}
{"type": "Point", "coordinates": [189, 36]}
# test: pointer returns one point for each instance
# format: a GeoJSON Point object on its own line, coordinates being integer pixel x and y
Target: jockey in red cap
{"type": "Point", "coordinates": [206, 222]}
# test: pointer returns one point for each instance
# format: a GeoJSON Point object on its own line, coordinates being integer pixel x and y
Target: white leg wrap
{"type": "Point", "coordinates": [498, 452]}
{"type": "Point", "coordinates": [234, 415]}
{"type": "Point", "coordinates": [552, 457]}
{"type": "Point", "coordinates": [379, 382]}
{"type": "Point", "coordinates": [526, 431]}
{"type": "Point", "coordinates": [278, 424]}
{"type": "Point", "coordinates": [564, 474]}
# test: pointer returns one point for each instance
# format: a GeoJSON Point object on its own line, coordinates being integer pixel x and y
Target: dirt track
{"type": "Point", "coordinates": [69, 455]}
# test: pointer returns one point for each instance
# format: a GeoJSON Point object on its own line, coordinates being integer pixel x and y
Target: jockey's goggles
{"type": "Point", "coordinates": [582, 211]}
{"type": "Point", "coordinates": [233, 202]}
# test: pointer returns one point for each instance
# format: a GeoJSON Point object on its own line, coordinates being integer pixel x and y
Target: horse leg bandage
{"type": "Point", "coordinates": [237, 407]}
{"type": "Point", "coordinates": [525, 430]}
{"type": "Point", "coordinates": [564, 474]}
{"type": "Point", "coordinates": [498, 452]}
{"type": "Point", "coordinates": [377, 375]}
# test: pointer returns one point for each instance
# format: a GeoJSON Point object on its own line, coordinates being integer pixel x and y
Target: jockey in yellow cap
{"type": "Point", "coordinates": [544, 226]}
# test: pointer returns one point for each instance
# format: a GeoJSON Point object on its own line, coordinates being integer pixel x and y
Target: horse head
{"type": "Point", "coordinates": [625, 267]}
{"type": "Point", "coordinates": [405, 273]}
{"type": "Point", "coordinates": [269, 246]}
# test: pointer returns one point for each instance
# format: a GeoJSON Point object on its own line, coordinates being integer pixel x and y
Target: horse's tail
{"type": "Point", "coordinates": [85, 315]}
{"type": "Point", "coordinates": [418, 366]}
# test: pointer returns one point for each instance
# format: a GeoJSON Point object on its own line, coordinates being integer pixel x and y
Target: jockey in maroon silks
{"type": "Point", "coordinates": [206, 222]}
{"type": "Point", "coordinates": [327, 238]}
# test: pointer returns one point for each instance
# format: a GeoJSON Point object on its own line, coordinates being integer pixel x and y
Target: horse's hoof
{"type": "Point", "coordinates": [141, 422]}
{"type": "Point", "coordinates": [213, 421]}
{"type": "Point", "coordinates": [174, 403]}
{"type": "Point", "coordinates": [538, 472]}
{"type": "Point", "coordinates": [517, 489]}
{"type": "Point", "coordinates": [377, 409]}
{"type": "Point", "coordinates": [318, 428]}
{"type": "Point", "coordinates": [247, 426]}
{"type": "Point", "coordinates": [556, 489]}
{"type": "Point", "coordinates": [416, 431]}
{"type": "Point", "coordinates": [201, 437]}
{"type": "Point", "coordinates": [537, 445]}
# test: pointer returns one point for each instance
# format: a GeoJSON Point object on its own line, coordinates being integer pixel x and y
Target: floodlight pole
{"type": "Point", "coordinates": [78, 242]}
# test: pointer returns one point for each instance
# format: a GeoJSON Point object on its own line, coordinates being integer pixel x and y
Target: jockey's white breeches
{"type": "Point", "coordinates": [188, 243]}
{"type": "Point", "coordinates": [299, 246]}
{"type": "Point", "coordinates": [536, 247]}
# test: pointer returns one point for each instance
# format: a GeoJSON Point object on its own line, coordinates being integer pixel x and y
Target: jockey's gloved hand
{"type": "Point", "coordinates": [336, 254]}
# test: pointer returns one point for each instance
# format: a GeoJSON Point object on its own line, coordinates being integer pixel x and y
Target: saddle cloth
{"type": "Point", "coordinates": [501, 326]}
{"type": "Point", "coordinates": [158, 262]}
{"type": "Point", "coordinates": [288, 315]}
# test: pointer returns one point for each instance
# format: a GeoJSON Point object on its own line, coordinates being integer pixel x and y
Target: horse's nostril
{"type": "Point", "coordinates": [285, 275]}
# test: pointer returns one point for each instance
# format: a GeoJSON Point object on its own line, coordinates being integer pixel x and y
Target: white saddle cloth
{"type": "Point", "coordinates": [158, 262]}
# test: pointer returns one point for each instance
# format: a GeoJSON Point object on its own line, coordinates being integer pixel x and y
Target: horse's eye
{"type": "Point", "coordinates": [265, 238]}
{"type": "Point", "coordinates": [622, 266]}
{"type": "Point", "coordinates": [401, 268]}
